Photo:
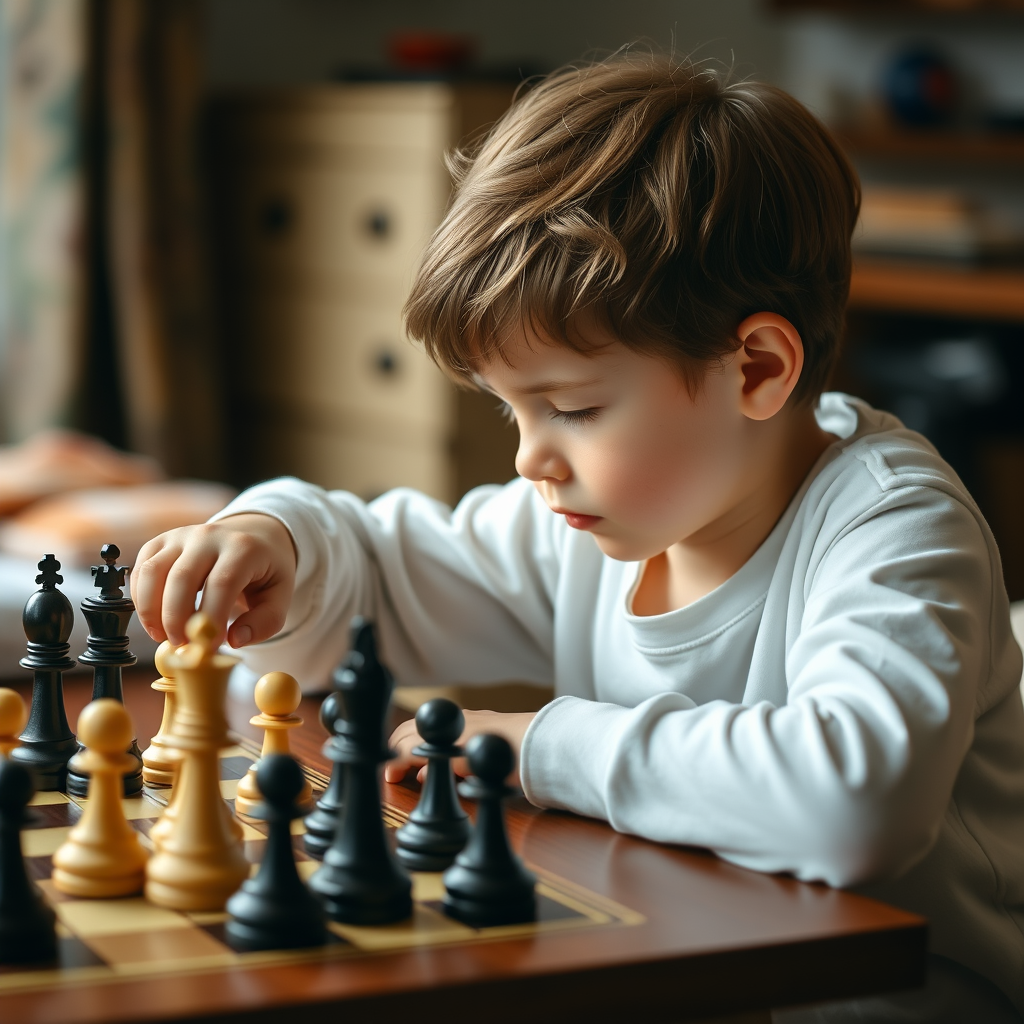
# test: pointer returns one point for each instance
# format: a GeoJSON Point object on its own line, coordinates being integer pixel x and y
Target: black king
{"type": "Point", "coordinates": [107, 652]}
{"type": "Point", "coordinates": [47, 742]}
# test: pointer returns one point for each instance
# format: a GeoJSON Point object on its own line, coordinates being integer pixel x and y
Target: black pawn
{"type": "Point", "coordinates": [47, 744]}
{"type": "Point", "coordinates": [275, 910]}
{"type": "Point", "coordinates": [27, 933]}
{"type": "Point", "coordinates": [487, 884]}
{"type": "Point", "coordinates": [360, 881]}
{"type": "Point", "coordinates": [321, 824]}
{"type": "Point", "coordinates": [107, 652]}
{"type": "Point", "coordinates": [438, 827]}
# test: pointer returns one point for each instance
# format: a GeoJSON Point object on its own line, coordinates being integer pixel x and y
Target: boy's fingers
{"type": "Point", "coordinates": [147, 587]}
{"type": "Point", "coordinates": [266, 605]}
{"type": "Point", "coordinates": [264, 619]}
{"type": "Point", "coordinates": [184, 580]}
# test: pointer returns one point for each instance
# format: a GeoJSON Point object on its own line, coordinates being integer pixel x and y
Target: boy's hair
{"type": "Point", "coordinates": [655, 196]}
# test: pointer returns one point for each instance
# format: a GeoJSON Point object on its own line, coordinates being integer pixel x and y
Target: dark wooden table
{"type": "Point", "coordinates": [718, 941]}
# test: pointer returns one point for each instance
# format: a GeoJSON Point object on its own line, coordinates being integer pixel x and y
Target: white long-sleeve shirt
{"type": "Point", "coordinates": [845, 707]}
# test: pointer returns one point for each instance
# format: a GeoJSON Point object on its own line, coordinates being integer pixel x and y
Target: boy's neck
{"type": "Point", "coordinates": [697, 565]}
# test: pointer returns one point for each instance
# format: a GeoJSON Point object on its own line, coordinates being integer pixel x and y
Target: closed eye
{"type": "Point", "coordinates": [507, 412]}
{"type": "Point", "coordinates": [576, 416]}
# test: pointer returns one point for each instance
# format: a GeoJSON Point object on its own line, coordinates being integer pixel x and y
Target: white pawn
{"type": "Point", "coordinates": [277, 696]}
{"type": "Point", "coordinates": [102, 856]}
{"type": "Point", "coordinates": [13, 717]}
{"type": "Point", "coordinates": [160, 757]}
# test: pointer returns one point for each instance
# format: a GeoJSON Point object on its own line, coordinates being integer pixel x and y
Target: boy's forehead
{"type": "Point", "coordinates": [534, 365]}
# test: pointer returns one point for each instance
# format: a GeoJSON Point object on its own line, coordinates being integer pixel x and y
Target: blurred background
{"type": "Point", "coordinates": [210, 212]}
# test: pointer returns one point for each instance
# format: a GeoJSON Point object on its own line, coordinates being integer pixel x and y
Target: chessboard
{"type": "Point", "coordinates": [106, 940]}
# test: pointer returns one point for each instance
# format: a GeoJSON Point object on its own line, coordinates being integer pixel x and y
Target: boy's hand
{"type": "Point", "coordinates": [512, 726]}
{"type": "Point", "coordinates": [244, 565]}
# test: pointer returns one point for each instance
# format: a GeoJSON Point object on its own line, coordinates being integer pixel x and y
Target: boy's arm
{"type": "Point", "coordinates": [849, 780]}
{"type": "Point", "coordinates": [457, 595]}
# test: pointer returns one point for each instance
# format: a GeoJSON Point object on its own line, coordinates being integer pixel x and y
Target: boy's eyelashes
{"type": "Point", "coordinates": [575, 415]}
{"type": "Point", "coordinates": [572, 416]}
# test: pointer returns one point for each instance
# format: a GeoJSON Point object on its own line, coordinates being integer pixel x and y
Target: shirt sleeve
{"type": "Point", "coordinates": [461, 595]}
{"type": "Point", "coordinates": [850, 778]}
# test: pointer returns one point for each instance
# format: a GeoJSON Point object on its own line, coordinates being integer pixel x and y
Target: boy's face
{"type": "Point", "coordinates": [613, 440]}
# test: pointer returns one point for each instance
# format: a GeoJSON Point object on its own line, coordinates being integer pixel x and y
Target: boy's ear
{"type": "Point", "coordinates": [769, 361]}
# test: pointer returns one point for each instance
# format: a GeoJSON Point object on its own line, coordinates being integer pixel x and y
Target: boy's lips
{"type": "Point", "coordinates": [577, 520]}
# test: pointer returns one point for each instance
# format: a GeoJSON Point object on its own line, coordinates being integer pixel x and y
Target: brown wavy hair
{"type": "Point", "coordinates": [653, 194]}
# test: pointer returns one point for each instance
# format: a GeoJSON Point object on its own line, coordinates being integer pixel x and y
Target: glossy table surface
{"type": "Point", "coordinates": [716, 940]}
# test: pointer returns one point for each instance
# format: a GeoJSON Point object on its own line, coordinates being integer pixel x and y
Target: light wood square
{"type": "Point", "coordinates": [425, 928]}
{"type": "Point", "coordinates": [44, 799]}
{"type": "Point", "coordinates": [88, 918]}
{"type": "Point", "coordinates": [43, 842]}
{"type": "Point", "coordinates": [157, 946]}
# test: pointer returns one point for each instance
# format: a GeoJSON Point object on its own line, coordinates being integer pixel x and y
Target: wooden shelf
{"type": "Point", "coordinates": [971, 147]}
{"type": "Point", "coordinates": [898, 7]}
{"type": "Point", "coordinates": [992, 294]}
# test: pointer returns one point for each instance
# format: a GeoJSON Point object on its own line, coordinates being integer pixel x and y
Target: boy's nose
{"type": "Point", "coordinates": [537, 461]}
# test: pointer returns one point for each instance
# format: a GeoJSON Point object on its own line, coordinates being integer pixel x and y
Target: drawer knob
{"type": "Point", "coordinates": [378, 224]}
{"type": "Point", "coordinates": [385, 362]}
{"type": "Point", "coordinates": [277, 216]}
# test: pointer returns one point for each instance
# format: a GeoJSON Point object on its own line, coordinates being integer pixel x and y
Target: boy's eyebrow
{"type": "Point", "coordinates": [543, 386]}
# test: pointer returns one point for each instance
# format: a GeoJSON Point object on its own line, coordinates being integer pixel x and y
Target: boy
{"type": "Point", "coordinates": [774, 619]}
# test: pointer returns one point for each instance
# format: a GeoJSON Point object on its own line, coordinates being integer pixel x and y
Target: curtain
{"type": "Point", "coordinates": [106, 318]}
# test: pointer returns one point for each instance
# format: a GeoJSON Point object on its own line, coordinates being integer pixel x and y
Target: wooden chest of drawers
{"type": "Point", "coordinates": [326, 197]}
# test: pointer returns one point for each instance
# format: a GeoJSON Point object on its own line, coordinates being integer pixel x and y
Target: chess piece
{"type": "Point", "coordinates": [102, 856]}
{"type": "Point", "coordinates": [47, 744]}
{"type": "Point", "coordinates": [360, 881]}
{"type": "Point", "coordinates": [277, 695]}
{"type": "Point", "coordinates": [321, 824]}
{"type": "Point", "coordinates": [12, 720]}
{"type": "Point", "coordinates": [487, 884]}
{"type": "Point", "coordinates": [438, 827]}
{"type": "Point", "coordinates": [160, 757]}
{"type": "Point", "coordinates": [107, 652]}
{"type": "Point", "coordinates": [275, 910]}
{"type": "Point", "coordinates": [199, 861]}
{"type": "Point", "coordinates": [27, 923]}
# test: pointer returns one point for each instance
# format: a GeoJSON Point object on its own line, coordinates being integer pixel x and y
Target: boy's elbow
{"type": "Point", "coordinates": [864, 844]}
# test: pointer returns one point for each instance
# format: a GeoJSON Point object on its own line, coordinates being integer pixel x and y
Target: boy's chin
{"type": "Point", "coordinates": [623, 549]}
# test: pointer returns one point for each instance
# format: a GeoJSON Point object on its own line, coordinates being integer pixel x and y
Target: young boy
{"type": "Point", "coordinates": [774, 619]}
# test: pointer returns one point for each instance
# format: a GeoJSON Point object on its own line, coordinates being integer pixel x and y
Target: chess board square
{"type": "Point", "coordinates": [72, 952]}
{"type": "Point", "coordinates": [159, 945]}
{"type": "Point", "coordinates": [53, 815]}
{"type": "Point", "coordinates": [49, 797]}
{"type": "Point", "coordinates": [553, 910]}
{"type": "Point", "coordinates": [427, 926]}
{"type": "Point", "coordinates": [141, 806]}
{"type": "Point", "coordinates": [43, 842]}
{"type": "Point", "coordinates": [131, 916]}
{"type": "Point", "coordinates": [216, 929]}
{"type": "Point", "coordinates": [38, 868]}
{"type": "Point", "coordinates": [235, 767]}
{"type": "Point", "coordinates": [229, 788]}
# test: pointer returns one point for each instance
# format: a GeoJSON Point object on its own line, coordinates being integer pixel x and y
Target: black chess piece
{"type": "Point", "coordinates": [438, 827]}
{"type": "Point", "coordinates": [487, 884]}
{"type": "Point", "coordinates": [323, 821]}
{"type": "Point", "coordinates": [107, 652]}
{"type": "Point", "coordinates": [360, 881]}
{"type": "Point", "coordinates": [47, 744]}
{"type": "Point", "coordinates": [27, 923]}
{"type": "Point", "coordinates": [275, 910]}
